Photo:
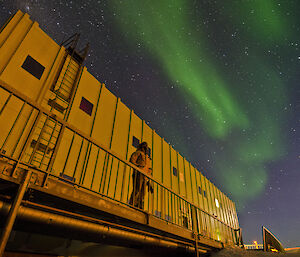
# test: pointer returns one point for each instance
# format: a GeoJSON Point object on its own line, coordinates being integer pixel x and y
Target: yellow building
{"type": "Point", "coordinates": [56, 117]}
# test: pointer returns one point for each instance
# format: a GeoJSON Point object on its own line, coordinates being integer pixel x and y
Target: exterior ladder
{"type": "Point", "coordinates": [46, 131]}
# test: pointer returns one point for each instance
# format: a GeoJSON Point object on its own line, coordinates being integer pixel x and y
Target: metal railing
{"type": "Point", "coordinates": [82, 161]}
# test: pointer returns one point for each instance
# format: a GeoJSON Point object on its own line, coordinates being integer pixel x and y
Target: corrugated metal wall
{"type": "Point", "coordinates": [60, 85]}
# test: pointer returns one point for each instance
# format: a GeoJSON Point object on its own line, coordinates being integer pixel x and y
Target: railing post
{"type": "Point", "coordinates": [13, 212]}
{"type": "Point", "coordinates": [195, 228]}
{"type": "Point", "coordinates": [239, 238]}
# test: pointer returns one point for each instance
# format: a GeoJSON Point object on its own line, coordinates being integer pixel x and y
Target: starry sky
{"type": "Point", "coordinates": [219, 80]}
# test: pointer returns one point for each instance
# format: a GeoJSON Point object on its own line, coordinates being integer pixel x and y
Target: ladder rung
{"type": "Point", "coordinates": [65, 79]}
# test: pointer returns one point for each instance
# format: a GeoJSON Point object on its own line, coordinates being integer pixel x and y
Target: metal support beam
{"type": "Point", "coordinates": [195, 229]}
{"type": "Point", "coordinates": [13, 212]}
{"type": "Point", "coordinates": [95, 231]}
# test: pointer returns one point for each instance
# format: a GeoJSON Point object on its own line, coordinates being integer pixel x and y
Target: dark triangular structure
{"type": "Point", "coordinates": [271, 242]}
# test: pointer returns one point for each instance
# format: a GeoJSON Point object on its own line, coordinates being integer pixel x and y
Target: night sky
{"type": "Point", "coordinates": [219, 80]}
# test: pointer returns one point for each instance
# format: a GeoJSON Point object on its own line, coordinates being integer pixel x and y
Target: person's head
{"type": "Point", "coordinates": [143, 147]}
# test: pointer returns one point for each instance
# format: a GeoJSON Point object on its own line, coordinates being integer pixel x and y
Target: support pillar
{"type": "Point", "coordinates": [195, 228]}
{"type": "Point", "coordinates": [13, 212]}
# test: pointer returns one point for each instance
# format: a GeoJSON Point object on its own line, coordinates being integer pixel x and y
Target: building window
{"type": "Point", "coordinates": [33, 67]}
{"type": "Point", "coordinates": [204, 193]}
{"type": "Point", "coordinates": [86, 106]}
{"type": "Point", "coordinates": [217, 203]}
{"type": "Point", "coordinates": [200, 190]}
{"type": "Point", "coordinates": [175, 172]}
{"type": "Point", "coordinates": [135, 142]}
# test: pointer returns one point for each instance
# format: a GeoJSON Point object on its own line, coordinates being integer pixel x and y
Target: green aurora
{"type": "Point", "coordinates": [247, 124]}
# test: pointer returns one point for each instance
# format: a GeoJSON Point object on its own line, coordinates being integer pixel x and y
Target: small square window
{"type": "Point", "coordinates": [135, 142]}
{"type": "Point", "coordinates": [200, 190]}
{"type": "Point", "coordinates": [33, 67]}
{"type": "Point", "coordinates": [175, 173]}
{"type": "Point", "coordinates": [86, 106]}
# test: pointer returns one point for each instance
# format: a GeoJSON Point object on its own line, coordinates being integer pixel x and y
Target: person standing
{"type": "Point", "coordinates": [142, 161]}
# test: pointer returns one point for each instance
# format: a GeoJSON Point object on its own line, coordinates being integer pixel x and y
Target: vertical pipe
{"type": "Point", "coordinates": [13, 212]}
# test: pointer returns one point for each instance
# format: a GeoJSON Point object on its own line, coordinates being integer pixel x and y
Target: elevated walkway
{"type": "Point", "coordinates": [65, 141]}
{"type": "Point", "coordinates": [55, 205]}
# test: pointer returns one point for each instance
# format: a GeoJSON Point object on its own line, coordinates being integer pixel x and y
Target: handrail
{"type": "Point", "coordinates": [173, 196]}
{"type": "Point", "coordinates": [92, 140]}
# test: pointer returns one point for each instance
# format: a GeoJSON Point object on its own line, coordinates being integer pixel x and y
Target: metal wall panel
{"type": "Point", "coordinates": [9, 26]}
{"type": "Point", "coordinates": [174, 165]}
{"type": "Point", "coordinates": [166, 180]}
{"type": "Point", "coordinates": [39, 46]}
{"type": "Point", "coordinates": [17, 31]}
{"type": "Point", "coordinates": [187, 178]}
{"type": "Point", "coordinates": [121, 130]}
{"type": "Point", "coordinates": [104, 120]}
{"type": "Point", "coordinates": [109, 122]}
{"type": "Point", "coordinates": [193, 184]}
{"type": "Point", "coordinates": [135, 131]}
{"type": "Point", "coordinates": [77, 116]}
{"type": "Point", "coordinates": [181, 175]}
